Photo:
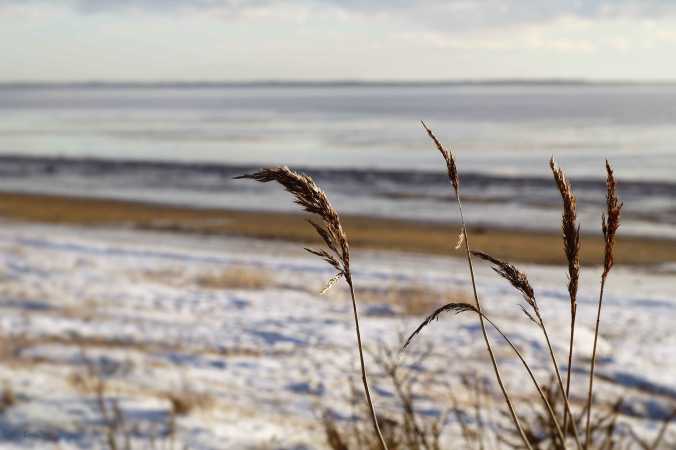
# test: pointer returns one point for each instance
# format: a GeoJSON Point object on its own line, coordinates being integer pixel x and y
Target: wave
{"type": "Point", "coordinates": [385, 181]}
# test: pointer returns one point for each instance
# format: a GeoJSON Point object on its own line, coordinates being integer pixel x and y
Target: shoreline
{"type": "Point", "coordinates": [525, 246]}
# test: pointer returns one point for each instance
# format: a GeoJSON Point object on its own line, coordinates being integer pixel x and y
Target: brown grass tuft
{"type": "Point", "coordinates": [7, 398]}
{"type": "Point", "coordinates": [185, 401]}
{"type": "Point", "coordinates": [236, 278]}
{"type": "Point", "coordinates": [413, 300]}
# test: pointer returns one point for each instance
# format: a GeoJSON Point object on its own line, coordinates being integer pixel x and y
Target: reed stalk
{"type": "Point", "coordinates": [570, 232]}
{"type": "Point", "coordinates": [520, 282]}
{"type": "Point", "coordinates": [610, 222]}
{"type": "Point", "coordinates": [455, 181]}
{"type": "Point", "coordinates": [463, 307]}
{"type": "Point", "coordinates": [337, 254]}
{"type": "Point", "coordinates": [560, 383]}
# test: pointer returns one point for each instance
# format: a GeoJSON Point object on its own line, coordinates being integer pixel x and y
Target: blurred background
{"type": "Point", "coordinates": [124, 122]}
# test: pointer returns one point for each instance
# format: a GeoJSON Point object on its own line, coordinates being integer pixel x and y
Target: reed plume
{"type": "Point", "coordinates": [519, 281]}
{"type": "Point", "coordinates": [457, 308]}
{"type": "Point", "coordinates": [313, 200]}
{"type": "Point", "coordinates": [455, 182]}
{"type": "Point", "coordinates": [610, 222]}
{"type": "Point", "coordinates": [571, 244]}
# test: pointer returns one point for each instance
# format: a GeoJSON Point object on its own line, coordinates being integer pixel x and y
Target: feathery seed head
{"type": "Point", "coordinates": [313, 200]}
{"type": "Point", "coordinates": [448, 157]}
{"type": "Point", "coordinates": [569, 229]}
{"type": "Point", "coordinates": [517, 279]}
{"type": "Point", "coordinates": [610, 221]}
{"type": "Point", "coordinates": [457, 308]}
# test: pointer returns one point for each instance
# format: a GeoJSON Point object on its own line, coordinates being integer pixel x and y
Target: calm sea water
{"type": "Point", "coordinates": [183, 144]}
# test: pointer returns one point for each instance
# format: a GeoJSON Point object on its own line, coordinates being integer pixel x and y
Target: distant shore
{"type": "Point", "coordinates": [363, 232]}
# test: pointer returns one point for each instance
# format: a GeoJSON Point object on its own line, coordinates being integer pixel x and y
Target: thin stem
{"type": "Point", "coordinates": [367, 391]}
{"type": "Point", "coordinates": [532, 377]}
{"type": "Point", "coordinates": [663, 429]}
{"type": "Point", "coordinates": [409, 411]}
{"type": "Point", "coordinates": [593, 364]}
{"type": "Point", "coordinates": [573, 313]}
{"type": "Point", "coordinates": [508, 400]}
{"type": "Point", "coordinates": [558, 378]}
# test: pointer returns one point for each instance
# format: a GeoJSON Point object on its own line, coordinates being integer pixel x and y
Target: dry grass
{"type": "Point", "coordinates": [116, 430]}
{"type": "Point", "coordinates": [571, 246]}
{"type": "Point", "coordinates": [413, 300]}
{"type": "Point", "coordinates": [403, 429]}
{"type": "Point", "coordinates": [599, 431]}
{"type": "Point", "coordinates": [168, 276]}
{"type": "Point", "coordinates": [184, 401]}
{"type": "Point", "coordinates": [528, 434]}
{"type": "Point", "coordinates": [236, 278]}
{"type": "Point", "coordinates": [336, 250]}
{"type": "Point", "coordinates": [7, 398]}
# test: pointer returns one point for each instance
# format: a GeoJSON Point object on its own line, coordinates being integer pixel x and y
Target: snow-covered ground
{"type": "Point", "coordinates": [266, 361]}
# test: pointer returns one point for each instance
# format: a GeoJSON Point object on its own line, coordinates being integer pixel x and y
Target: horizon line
{"type": "Point", "coordinates": [348, 82]}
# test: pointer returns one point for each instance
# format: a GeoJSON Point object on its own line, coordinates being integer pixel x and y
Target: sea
{"type": "Point", "coordinates": [182, 144]}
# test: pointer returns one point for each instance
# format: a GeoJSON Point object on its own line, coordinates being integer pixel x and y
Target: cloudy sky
{"type": "Point", "coordinates": [67, 40]}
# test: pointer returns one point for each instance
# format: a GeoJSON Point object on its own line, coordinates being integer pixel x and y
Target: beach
{"type": "Point", "coordinates": [528, 246]}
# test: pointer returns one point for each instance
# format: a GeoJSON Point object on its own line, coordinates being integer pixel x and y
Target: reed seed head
{"type": "Point", "coordinates": [569, 229]}
{"type": "Point", "coordinates": [509, 272]}
{"type": "Point", "coordinates": [448, 157]}
{"type": "Point", "coordinates": [610, 221]}
{"type": "Point", "coordinates": [313, 200]}
{"type": "Point", "coordinates": [517, 279]}
{"type": "Point", "coordinates": [457, 308]}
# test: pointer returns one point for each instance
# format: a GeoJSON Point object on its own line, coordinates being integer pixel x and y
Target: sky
{"type": "Point", "coordinates": [245, 40]}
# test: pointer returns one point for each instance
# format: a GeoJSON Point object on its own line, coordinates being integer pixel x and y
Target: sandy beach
{"type": "Point", "coordinates": [364, 232]}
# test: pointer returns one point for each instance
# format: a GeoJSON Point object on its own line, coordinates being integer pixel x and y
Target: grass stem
{"type": "Point", "coordinates": [573, 311]}
{"type": "Point", "coordinates": [593, 365]}
{"type": "Point", "coordinates": [494, 363]}
{"type": "Point", "coordinates": [367, 391]}
{"type": "Point", "coordinates": [559, 380]}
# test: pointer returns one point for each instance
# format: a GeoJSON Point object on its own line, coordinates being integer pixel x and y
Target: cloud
{"type": "Point", "coordinates": [441, 15]}
{"type": "Point", "coordinates": [149, 6]}
{"type": "Point", "coordinates": [451, 15]}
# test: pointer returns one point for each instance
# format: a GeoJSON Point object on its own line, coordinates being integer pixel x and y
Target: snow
{"type": "Point", "coordinates": [271, 359]}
